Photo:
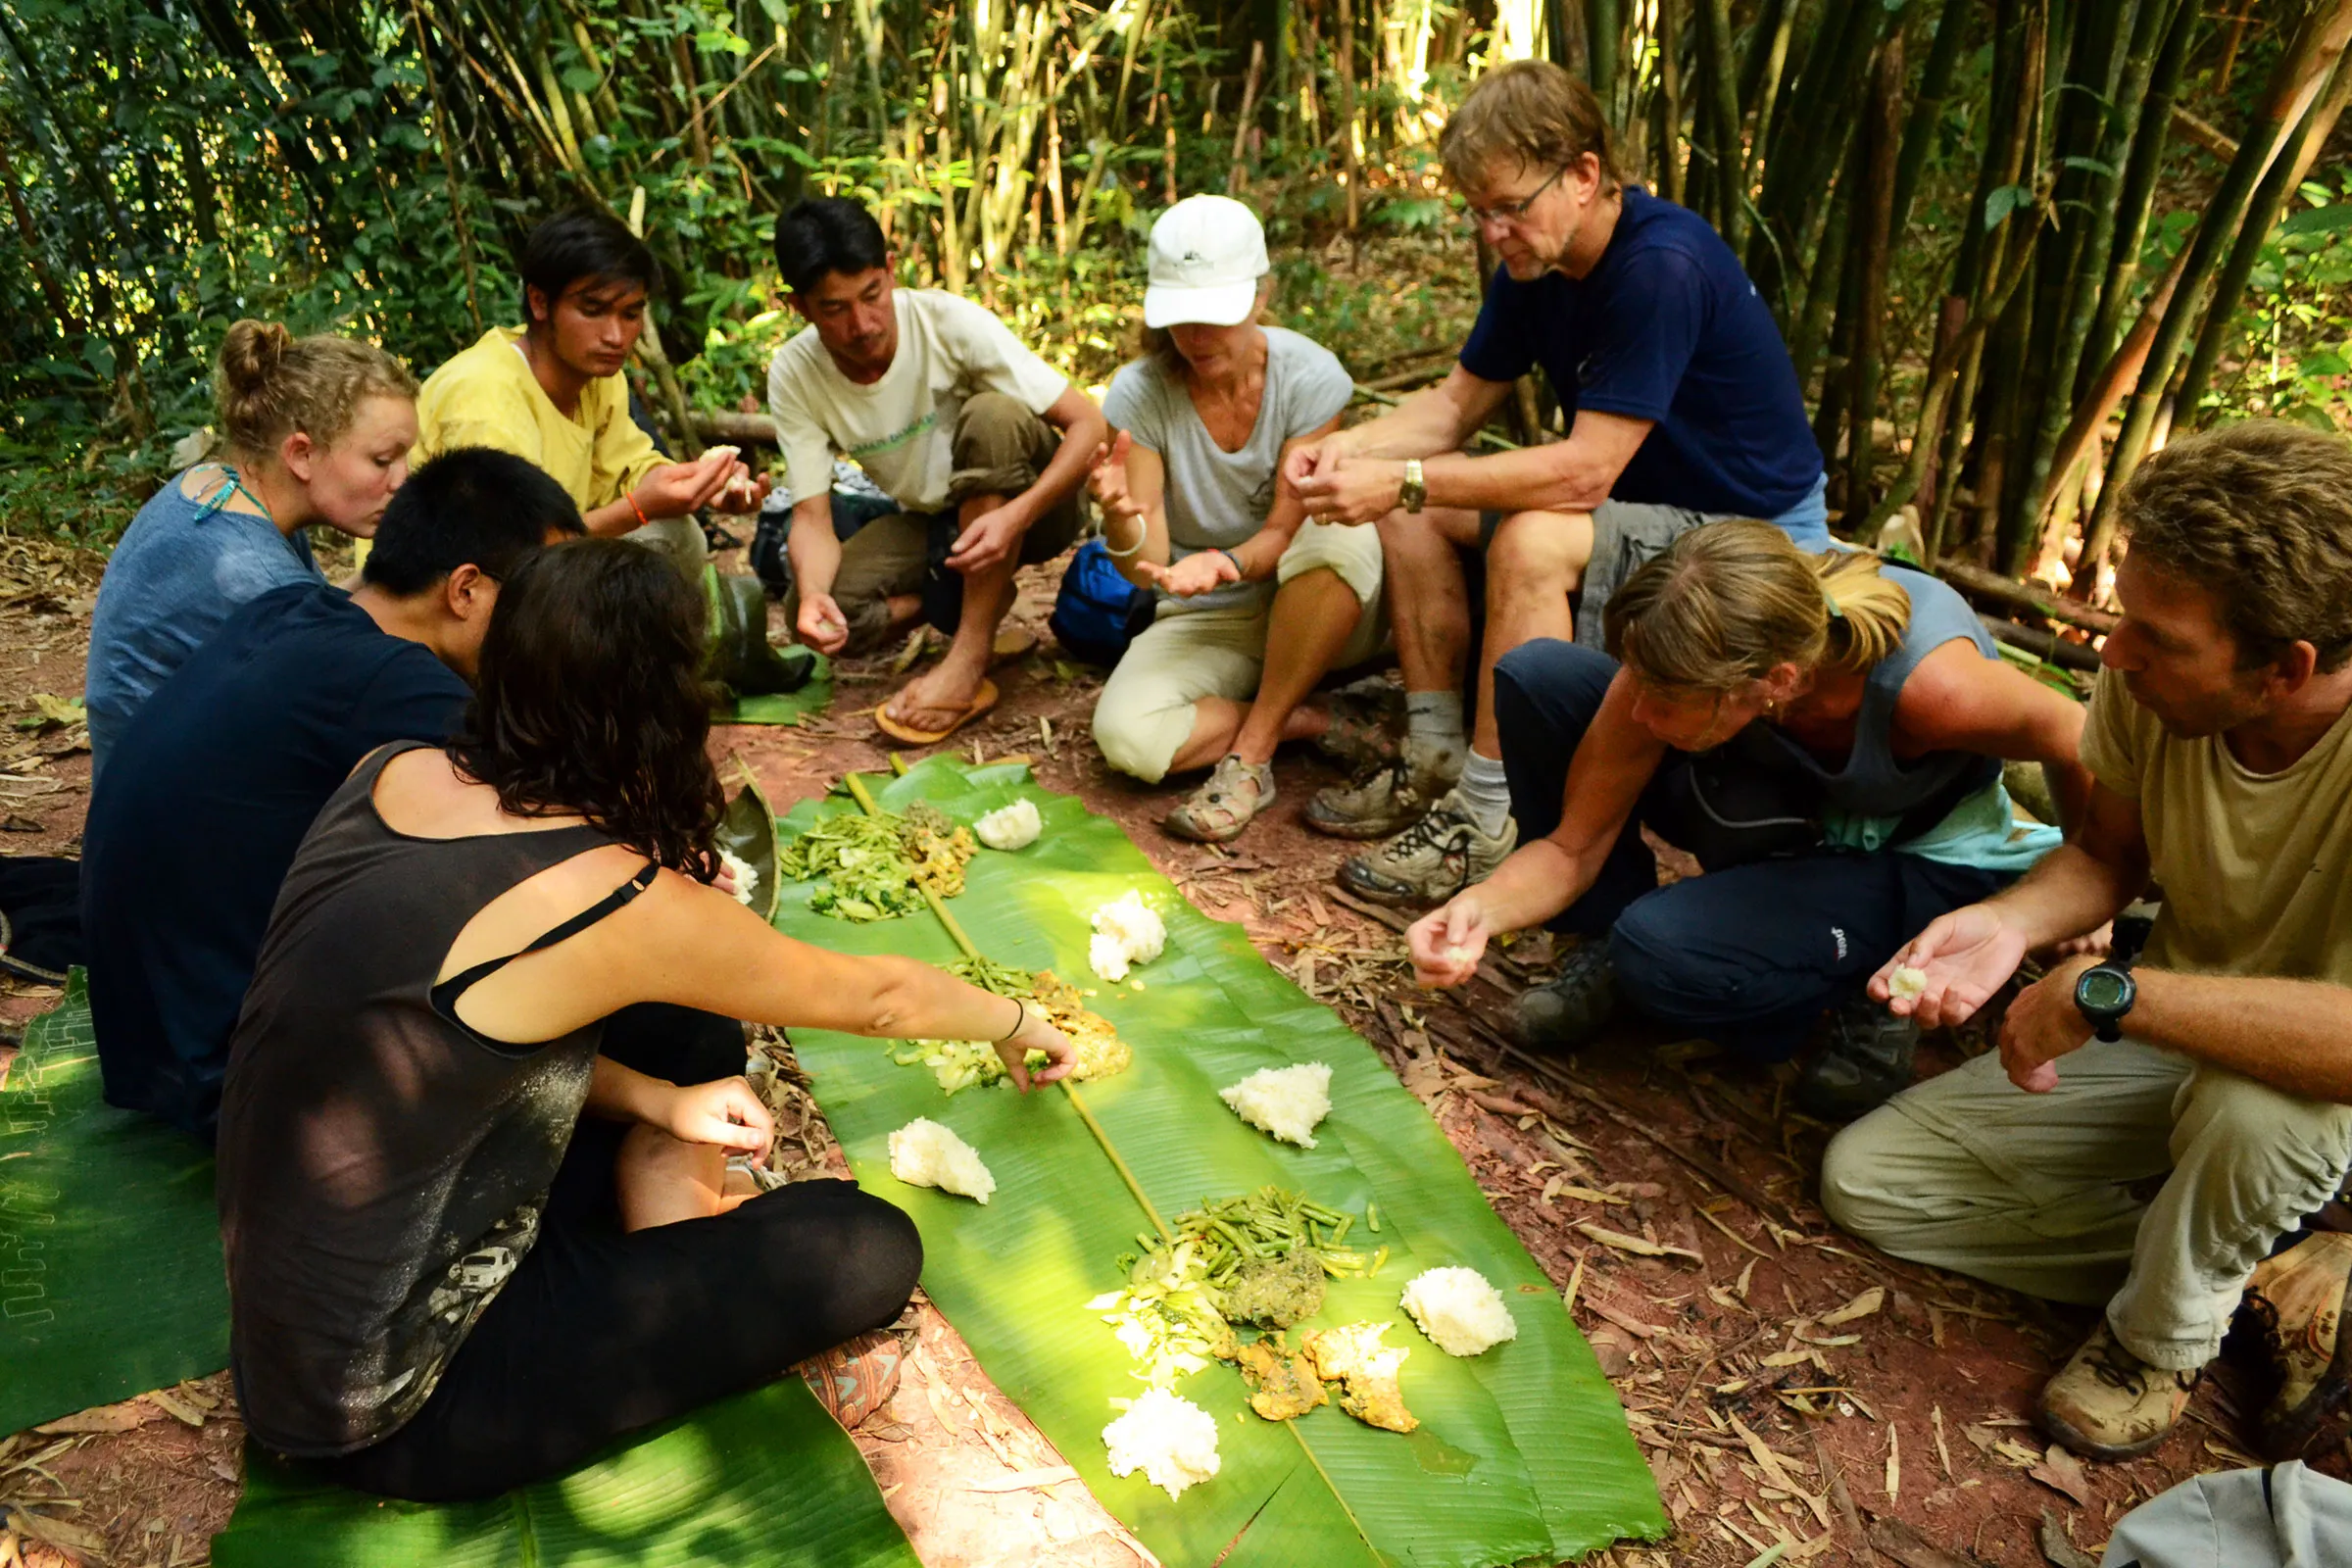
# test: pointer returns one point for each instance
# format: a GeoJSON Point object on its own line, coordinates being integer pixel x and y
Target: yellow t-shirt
{"type": "Point", "coordinates": [486, 396]}
{"type": "Point", "coordinates": [2256, 867]}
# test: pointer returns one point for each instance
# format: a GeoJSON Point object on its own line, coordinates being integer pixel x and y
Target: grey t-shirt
{"type": "Point", "coordinates": [1216, 499]}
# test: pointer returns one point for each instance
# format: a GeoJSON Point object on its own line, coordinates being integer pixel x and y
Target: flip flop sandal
{"type": "Point", "coordinates": [1218, 812]}
{"type": "Point", "coordinates": [856, 1379]}
{"type": "Point", "coordinates": [906, 734]}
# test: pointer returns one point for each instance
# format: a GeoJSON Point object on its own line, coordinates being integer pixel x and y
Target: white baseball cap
{"type": "Point", "coordinates": [1208, 254]}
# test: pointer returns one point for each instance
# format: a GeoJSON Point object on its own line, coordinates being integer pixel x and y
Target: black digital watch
{"type": "Point", "coordinates": [2104, 992]}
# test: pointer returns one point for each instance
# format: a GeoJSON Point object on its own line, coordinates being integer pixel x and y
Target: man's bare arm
{"type": "Point", "coordinates": [2295, 1035]}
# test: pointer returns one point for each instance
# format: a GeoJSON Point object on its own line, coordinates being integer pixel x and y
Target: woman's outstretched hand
{"type": "Point", "coordinates": [1447, 941]}
{"type": "Point", "coordinates": [1197, 573]}
{"type": "Point", "coordinates": [725, 1111]}
{"type": "Point", "coordinates": [1036, 1034]}
{"type": "Point", "coordinates": [1108, 482]}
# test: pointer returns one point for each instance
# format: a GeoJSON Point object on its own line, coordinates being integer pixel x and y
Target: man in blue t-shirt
{"type": "Point", "coordinates": [1681, 405]}
{"type": "Point", "coordinates": [213, 785]}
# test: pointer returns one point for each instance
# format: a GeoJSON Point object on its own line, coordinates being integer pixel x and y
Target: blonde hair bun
{"type": "Point", "coordinates": [269, 383]}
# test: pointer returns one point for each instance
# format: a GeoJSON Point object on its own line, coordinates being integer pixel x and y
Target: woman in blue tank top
{"type": "Point", "coordinates": [1824, 734]}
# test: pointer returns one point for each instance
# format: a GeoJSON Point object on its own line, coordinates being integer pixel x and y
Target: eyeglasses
{"type": "Point", "coordinates": [1511, 213]}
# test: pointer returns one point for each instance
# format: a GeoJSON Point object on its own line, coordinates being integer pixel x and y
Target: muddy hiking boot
{"type": "Point", "coordinates": [1220, 808]}
{"type": "Point", "coordinates": [1430, 861]}
{"type": "Point", "coordinates": [2297, 1301]}
{"type": "Point", "coordinates": [1866, 1060]}
{"type": "Point", "coordinates": [1387, 797]}
{"type": "Point", "coordinates": [1569, 1009]}
{"type": "Point", "coordinates": [2107, 1403]}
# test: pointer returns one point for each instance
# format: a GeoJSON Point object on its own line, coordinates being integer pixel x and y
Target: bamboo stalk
{"type": "Point", "coordinates": [1723, 100]}
{"type": "Point", "coordinates": [2301, 73]}
{"type": "Point", "coordinates": [1882, 130]}
{"type": "Point", "coordinates": [1234, 179]}
{"type": "Point", "coordinates": [449, 167]}
{"type": "Point", "coordinates": [1669, 100]}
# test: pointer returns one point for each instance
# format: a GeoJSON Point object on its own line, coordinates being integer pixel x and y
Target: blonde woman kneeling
{"type": "Point", "coordinates": [1824, 734]}
{"type": "Point", "coordinates": [1256, 604]}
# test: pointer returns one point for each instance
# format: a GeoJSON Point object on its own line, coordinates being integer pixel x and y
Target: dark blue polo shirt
{"type": "Point", "coordinates": [1665, 327]}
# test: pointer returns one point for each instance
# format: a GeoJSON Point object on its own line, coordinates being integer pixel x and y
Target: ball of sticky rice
{"type": "Point", "coordinates": [1010, 827]}
{"type": "Point", "coordinates": [1286, 1102]}
{"type": "Point", "coordinates": [1460, 1313]}
{"type": "Point", "coordinates": [1127, 931]}
{"type": "Point", "coordinates": [1166, 1435]}
{"type": "Point", "coordinates": [923, 1154]}
{"type": "Point", "coordinates": [1907, 982]}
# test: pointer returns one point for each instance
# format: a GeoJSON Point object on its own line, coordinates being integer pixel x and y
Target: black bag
{"type": "Point", "coordinates": [40, 917]}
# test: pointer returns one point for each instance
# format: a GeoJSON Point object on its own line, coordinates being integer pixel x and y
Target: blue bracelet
{"type": "Point", "coordinates": [1239, 570]}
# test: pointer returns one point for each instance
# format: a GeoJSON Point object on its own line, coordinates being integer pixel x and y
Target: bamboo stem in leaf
{"type": "Point", "coordinates": [2286, 175]}
{"type": "Point", "coordinates": [2301, 73]}
{"type": "Point", "coordinates": [972, 950]}
{"type": "Point", "coordinates": [1670, 100]}
{"type": "Point", "coordinates": [1604, 38]}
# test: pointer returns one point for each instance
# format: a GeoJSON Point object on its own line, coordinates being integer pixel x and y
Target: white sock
{"type": "Point", "coordinates": [1486, 790]}
{"type": "Point", "coordinates": [1435, 719]}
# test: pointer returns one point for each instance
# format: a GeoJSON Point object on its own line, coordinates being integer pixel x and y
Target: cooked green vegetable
{"type": "Point", "coordinates": [877, 868]}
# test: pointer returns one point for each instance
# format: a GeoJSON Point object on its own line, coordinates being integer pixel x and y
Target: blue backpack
{"type": "Point", "coordinates": [1097, 612]}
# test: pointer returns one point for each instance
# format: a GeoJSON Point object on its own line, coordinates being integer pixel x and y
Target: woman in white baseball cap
{"type": "Point", "coordinates": [1256, 604]}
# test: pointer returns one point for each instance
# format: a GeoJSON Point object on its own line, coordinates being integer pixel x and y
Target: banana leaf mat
{"type": "Point", "coordinates": [765, 1477]}
{"type": "Point", "coordinates": [111, 1279]}
{"type": "Point", "coordinates": [1523, 1452]}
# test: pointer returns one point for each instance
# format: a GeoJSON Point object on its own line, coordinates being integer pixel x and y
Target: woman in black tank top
{"type": "Point", "coordinates": [479, 1103]}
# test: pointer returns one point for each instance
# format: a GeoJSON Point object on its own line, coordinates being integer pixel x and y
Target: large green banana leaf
{"type": "Point", "coordinates": [1523, 1452]}
{"type": "Point", "coordinates": [764, 1478]}
{"type": "Point", "coordinates": [111, 1279]}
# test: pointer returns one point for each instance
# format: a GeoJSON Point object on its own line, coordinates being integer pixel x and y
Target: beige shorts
{"type": "Point", "coordinates": [1144, 714]}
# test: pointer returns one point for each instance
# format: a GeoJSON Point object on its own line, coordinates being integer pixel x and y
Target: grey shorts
{"type": "Point", "coordinates": [1625, 535]}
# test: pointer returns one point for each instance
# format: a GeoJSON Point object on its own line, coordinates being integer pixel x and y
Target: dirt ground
{"type": "Point", "coordinates": [1787, 1383]}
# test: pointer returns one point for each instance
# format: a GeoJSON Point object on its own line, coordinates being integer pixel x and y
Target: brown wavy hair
{"type": "Point", "coordinates": [591, 701]}
{"type": "Point", "coordinates": [1728, 601]}
{"type": "Point", "coordinates": [1531, 112]}
{"type": "Point", "coordinates": [269, 383]}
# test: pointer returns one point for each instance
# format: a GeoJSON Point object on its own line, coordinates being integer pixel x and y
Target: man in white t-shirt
{"type": "Point", "coordinates": [981, 442]}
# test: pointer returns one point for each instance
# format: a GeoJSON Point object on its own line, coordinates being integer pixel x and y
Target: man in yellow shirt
{"type": "Point", "coordinates": [553, 391]}
{"type": "Point", "coordinates": [2146, 1135]}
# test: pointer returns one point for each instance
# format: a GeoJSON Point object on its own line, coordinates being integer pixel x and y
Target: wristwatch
{"type": "Point", "coordinates": [1414, 491]}
{"type": "Point", "coordinates": [2104, 992]}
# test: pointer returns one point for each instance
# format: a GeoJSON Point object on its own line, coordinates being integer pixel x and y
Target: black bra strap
{"type": "Point", "coordinates": [444, 995]}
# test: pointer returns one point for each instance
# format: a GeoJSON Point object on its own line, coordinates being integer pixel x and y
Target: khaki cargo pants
{"type": "Point", "coordinates": [999, 448]}
{"type": "Point", "coordinates": [2145, 1182]}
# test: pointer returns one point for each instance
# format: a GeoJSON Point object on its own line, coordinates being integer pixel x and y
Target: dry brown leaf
{"type": "Point", "coordinates": [1620, 1242]}
{"type": "Point", "coordinates": [1023, 1480]}
{"type": "Point", "coordinates": [1861, 1307]}
{"type": "Point", "coordinates": [173, 1406]}
{"type": "Point", "coordinates": [123, 1417]}
{"type": "Point", "coordinates": [1894, 1464]}
{"type": "Point", "coordinates": [1935, 1420]}
{"type": "Point", "coordinates": [2061, 1471]}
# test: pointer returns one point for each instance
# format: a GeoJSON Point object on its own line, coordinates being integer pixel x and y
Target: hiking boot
{"type": "Point", "coordinates": [2298, 1298]}
{"type": "Point", "coordinates": [1570, 1007]}
{"type": "Point", "coordinates": [1865, 1062]}
{"type": "Point", "coordinates": [1385, 801]}
{"type": "Point", "coordinates": [1220, 808]}
{"type": "Point", "coordinates": [1432, 860]}
{"type": "Point", "coordinates": [2107, 1403]}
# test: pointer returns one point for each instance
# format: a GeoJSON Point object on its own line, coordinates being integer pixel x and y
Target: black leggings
{"type": "Point", "coordinates": [599, 1332]}
{"type": "Point", "coordinates": [1747, 955]}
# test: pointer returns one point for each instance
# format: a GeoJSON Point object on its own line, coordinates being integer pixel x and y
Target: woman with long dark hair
{"type": "Point", "coordinates": [475, 1222]}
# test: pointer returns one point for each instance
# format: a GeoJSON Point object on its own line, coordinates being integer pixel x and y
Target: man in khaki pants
{"type": "Point", "coordinates": [2148, 1133]}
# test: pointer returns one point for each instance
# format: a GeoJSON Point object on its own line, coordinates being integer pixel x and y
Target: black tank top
{"type": "Point", "coordinates": [382, 1167]}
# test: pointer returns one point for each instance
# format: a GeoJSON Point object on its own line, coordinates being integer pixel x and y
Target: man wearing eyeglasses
{"type": "Point", "coordinates": [1681, 405]}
